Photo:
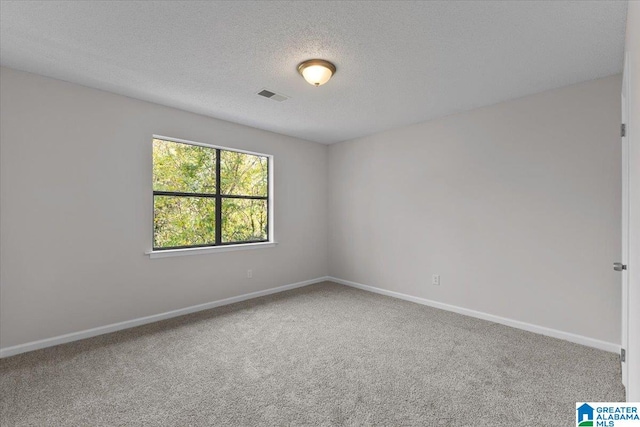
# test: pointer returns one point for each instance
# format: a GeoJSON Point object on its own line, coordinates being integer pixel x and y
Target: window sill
{"type": "Point", "coordinates": [213, 249]}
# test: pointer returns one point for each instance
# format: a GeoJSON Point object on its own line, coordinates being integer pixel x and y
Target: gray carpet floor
{"type": "Point", "coordinates": [323, 355]}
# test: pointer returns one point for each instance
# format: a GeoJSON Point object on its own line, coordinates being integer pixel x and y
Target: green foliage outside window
{"type": "Point", "coordinates": [243, 174]}
{"type": "Point", "coordinates": [186, 196]}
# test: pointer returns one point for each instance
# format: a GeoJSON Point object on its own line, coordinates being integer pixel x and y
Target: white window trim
{"type": "Point", "coordinates": [165, 253]}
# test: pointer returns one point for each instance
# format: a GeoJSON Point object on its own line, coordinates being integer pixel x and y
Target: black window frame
{"type": "Point", "coordinates": [218, 196]}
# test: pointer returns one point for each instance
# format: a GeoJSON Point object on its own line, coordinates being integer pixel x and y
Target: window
{"type": "Point", "coordinates": [208, 196]}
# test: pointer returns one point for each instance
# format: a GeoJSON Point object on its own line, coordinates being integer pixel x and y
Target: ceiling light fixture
{"type": "Point", "coordinates": [316, 71]}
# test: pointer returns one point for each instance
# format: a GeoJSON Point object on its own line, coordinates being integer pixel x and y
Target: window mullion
{"type": "Point", "coordinates": [182, 194]}
{"type": "Point", "coordinates": [218, 200]}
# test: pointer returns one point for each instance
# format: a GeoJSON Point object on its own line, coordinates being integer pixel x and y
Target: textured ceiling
{"type": "Point", "coordinates": [398, 62]}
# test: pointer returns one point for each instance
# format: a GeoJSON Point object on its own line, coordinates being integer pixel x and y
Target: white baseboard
{"type": "Point", "coordinates": [75, 336]}
{"type": "Point", "coordinates": [88, 333]}
{"type": "Point", "coordinates": [567, 336]}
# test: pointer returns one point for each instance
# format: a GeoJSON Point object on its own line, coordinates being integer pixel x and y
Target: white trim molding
{"type": "Point", "coordinates": [567, 336]}
{"type": "Point", "coordinates": [101, 330]}
{"type": "Point", "coordinates": [209, 249]}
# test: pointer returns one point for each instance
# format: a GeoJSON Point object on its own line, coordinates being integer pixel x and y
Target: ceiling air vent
{"type": "Point", "coordinates": [272, 95]}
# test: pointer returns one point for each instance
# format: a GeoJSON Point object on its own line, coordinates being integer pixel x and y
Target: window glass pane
{"type": "Point", "coordinates": [183, 221]}
{"type": "Point", "coordinates": [183, 167]}
{"type": "Point", "coordinates": [243, 174]}
{"type": "Point", "coordinates": [244, 220]}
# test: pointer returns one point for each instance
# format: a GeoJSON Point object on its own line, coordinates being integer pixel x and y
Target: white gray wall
{"type": "Point", "coordinates": [76, 211]}
{"type": "Point", "coordinates": [516, 206]}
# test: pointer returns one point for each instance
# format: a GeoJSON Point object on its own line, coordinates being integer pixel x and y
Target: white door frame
{"type": "Point", "coordinates": [625, 221]}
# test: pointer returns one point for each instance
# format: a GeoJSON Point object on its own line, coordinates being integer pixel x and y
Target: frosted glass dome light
{"type": "Point", "coordinates": [316, 71]}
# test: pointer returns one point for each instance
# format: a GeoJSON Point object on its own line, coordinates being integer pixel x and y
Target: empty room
{"type": "Point", "coordinates": [319, 213]}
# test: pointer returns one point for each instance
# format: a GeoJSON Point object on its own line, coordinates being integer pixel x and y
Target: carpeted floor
{"type": "Point", "coordinates": [322, 355]}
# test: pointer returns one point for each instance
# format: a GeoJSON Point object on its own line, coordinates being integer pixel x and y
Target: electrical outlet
{"type": "Point", "coordinates": [435, 280]}
{"type": "Point", "coordinates": [249, 274]}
